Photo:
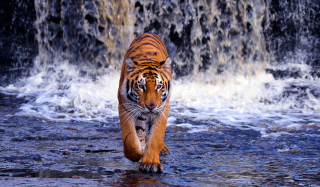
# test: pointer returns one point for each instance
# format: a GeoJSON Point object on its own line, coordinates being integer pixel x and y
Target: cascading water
{"type": "Point", "coordinates": [245, 104]}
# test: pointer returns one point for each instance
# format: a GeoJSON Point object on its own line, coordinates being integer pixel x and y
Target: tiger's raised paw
{"type": "Point", "coordinates": [155, 167]}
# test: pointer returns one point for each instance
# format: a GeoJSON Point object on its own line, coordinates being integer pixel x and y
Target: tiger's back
{"type": "Point", "coordinates": [146, 48]}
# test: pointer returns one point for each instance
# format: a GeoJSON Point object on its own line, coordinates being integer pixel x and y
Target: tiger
{"type": "Point", "coordinates": [143, 95]}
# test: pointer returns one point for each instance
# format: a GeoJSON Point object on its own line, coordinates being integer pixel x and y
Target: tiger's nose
{"type": "Point", "coordinates": [151, 106]}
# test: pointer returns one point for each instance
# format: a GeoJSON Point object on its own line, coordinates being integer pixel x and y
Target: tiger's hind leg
{"type": "Point", "coordinates": [140, 125]}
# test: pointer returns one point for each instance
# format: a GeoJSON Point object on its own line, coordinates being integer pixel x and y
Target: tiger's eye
{"type": "Point", "coordinates": [141, 86]}
{"type": "Point", "coordinates": [159, 87]}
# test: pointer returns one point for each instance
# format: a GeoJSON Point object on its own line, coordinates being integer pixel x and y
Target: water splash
{"type": "Point", "coordinates": [64, 92]}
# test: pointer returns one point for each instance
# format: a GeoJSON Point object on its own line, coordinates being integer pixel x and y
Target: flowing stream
{"type": "Point", "coordinates": [245, 105]}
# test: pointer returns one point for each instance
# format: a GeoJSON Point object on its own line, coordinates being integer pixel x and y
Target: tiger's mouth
{"type": "Point", "coordinates": [154, 111]}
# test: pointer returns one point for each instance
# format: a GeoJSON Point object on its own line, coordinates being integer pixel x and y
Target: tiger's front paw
{"type": "Point", "coordinates": [150, 165]}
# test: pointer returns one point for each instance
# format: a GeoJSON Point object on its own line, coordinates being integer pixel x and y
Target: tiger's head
{"type": "Point", "coordinates": [147, 86]}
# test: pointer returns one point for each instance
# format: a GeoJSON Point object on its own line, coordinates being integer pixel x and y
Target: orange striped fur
{"type": "Point", "coordinates": [144, 93]}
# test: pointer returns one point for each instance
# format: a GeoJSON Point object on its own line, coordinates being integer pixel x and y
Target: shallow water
{"type": "Point", "coordinates": [245, 104]}
{"type": "Point", "coordinates": [36, 150]}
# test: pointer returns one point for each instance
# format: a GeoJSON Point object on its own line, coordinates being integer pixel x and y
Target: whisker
{"type": "Point", "coordinates": [163, 115]}
{"type": "Point", "coordinates": [126, 109]}
{"type": "Point", "coordinates": [128, 104]}
{"type": "Point", "coordinates": [128, 116]}
{"type": "Point", "coordinates": [137, 114]}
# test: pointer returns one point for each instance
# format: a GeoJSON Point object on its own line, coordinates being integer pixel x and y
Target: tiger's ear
{"type": "Point", "coordinates": [166, 64]}
{"type": "Point", "coordinates": [130, 64]}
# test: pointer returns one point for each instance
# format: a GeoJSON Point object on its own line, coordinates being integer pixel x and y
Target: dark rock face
{"type": "Point", "coordinates": [82, 31]}
{"type": "Point", "coordinates": [70, 30]}
{"type": "Point", "coordinates": [201, 36]}
{"type": "Point", "coordinates": [292, 25]}
{"type": "Point", "coordinates": [209, 36]}
{"type": "Point", "coordinates": [17, 32]}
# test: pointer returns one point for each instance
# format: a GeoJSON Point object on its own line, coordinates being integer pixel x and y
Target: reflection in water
{"type": "Point", "coordinates": [136, 178]}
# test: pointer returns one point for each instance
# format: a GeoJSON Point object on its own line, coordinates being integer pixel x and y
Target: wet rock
{"type": "Point", "coordinates": [18, 139]}
{"type": "Point", "coordinates": [281, 29]}
{"type": "Point", "coordinates": [17, 33]}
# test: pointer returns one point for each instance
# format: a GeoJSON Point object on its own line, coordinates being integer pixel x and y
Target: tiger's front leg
{"type": "Point", "coordinates": [150, 160]}
{"type": "Point", "coordinates": [131, 143]}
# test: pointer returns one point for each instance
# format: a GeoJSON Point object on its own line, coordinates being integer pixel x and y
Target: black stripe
{"type": "Point", "coordinates": [150, 68]}
{"type": "Point", "coordinates": [129, 95]}
{"type": "Point", "coordinates": [139, 128]}
{"type": "Point", "coordinates": [150, 61]}
{"type": "Point", "coordinates": [133, 47]}
{"type": "Point", "coordinates": [131, 86]}
{"type": "Point", "coordinates": [127, 86]}
{"type": "Point", "coordinates": [150, 64]}
{"type": "Point", "coordinates": [165, 76]}
{"type": "Point", "coordinates": [162, 77]}
{"type": "Point", "coordinates": [133, 75]}
{"type": "Point", "coordinates": [130, 98]}
{"type": "Point", "coordinates": [160, 42]}
{"type": "Point", "coordinates": [141, 118]}
{"type": "Point", "coordinates": [164, 99]}
{"type": "Point", "coordinates": [149, 125]}
{"type": "Point", "coordinates": [136, 41]}
{"type": "Point", "coordinates": [142, 37]}
{"type": "Point", "coordinates": [168, 85]}
{"type": "Point", "coordinates": [147, 43]}
{"type": "Point", "coordinates": [161, 63]}
{"type": "Point", "coordinates": [155, 38]}
{"type": "Point", "coordinates": [137, 38]}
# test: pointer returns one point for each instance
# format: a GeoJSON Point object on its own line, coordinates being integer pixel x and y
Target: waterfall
{"type": "Point", "coordinates": [224, 37]}
{"type": "Point", "coordinates": [247, 56]}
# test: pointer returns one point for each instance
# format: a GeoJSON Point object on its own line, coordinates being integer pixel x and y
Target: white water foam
{"type": "Point", "coordinates": [257, 102]}
{"type": "Point", "coordinates": [61, 92]}
{"type": "Point", "coordinates": [64, 94]}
